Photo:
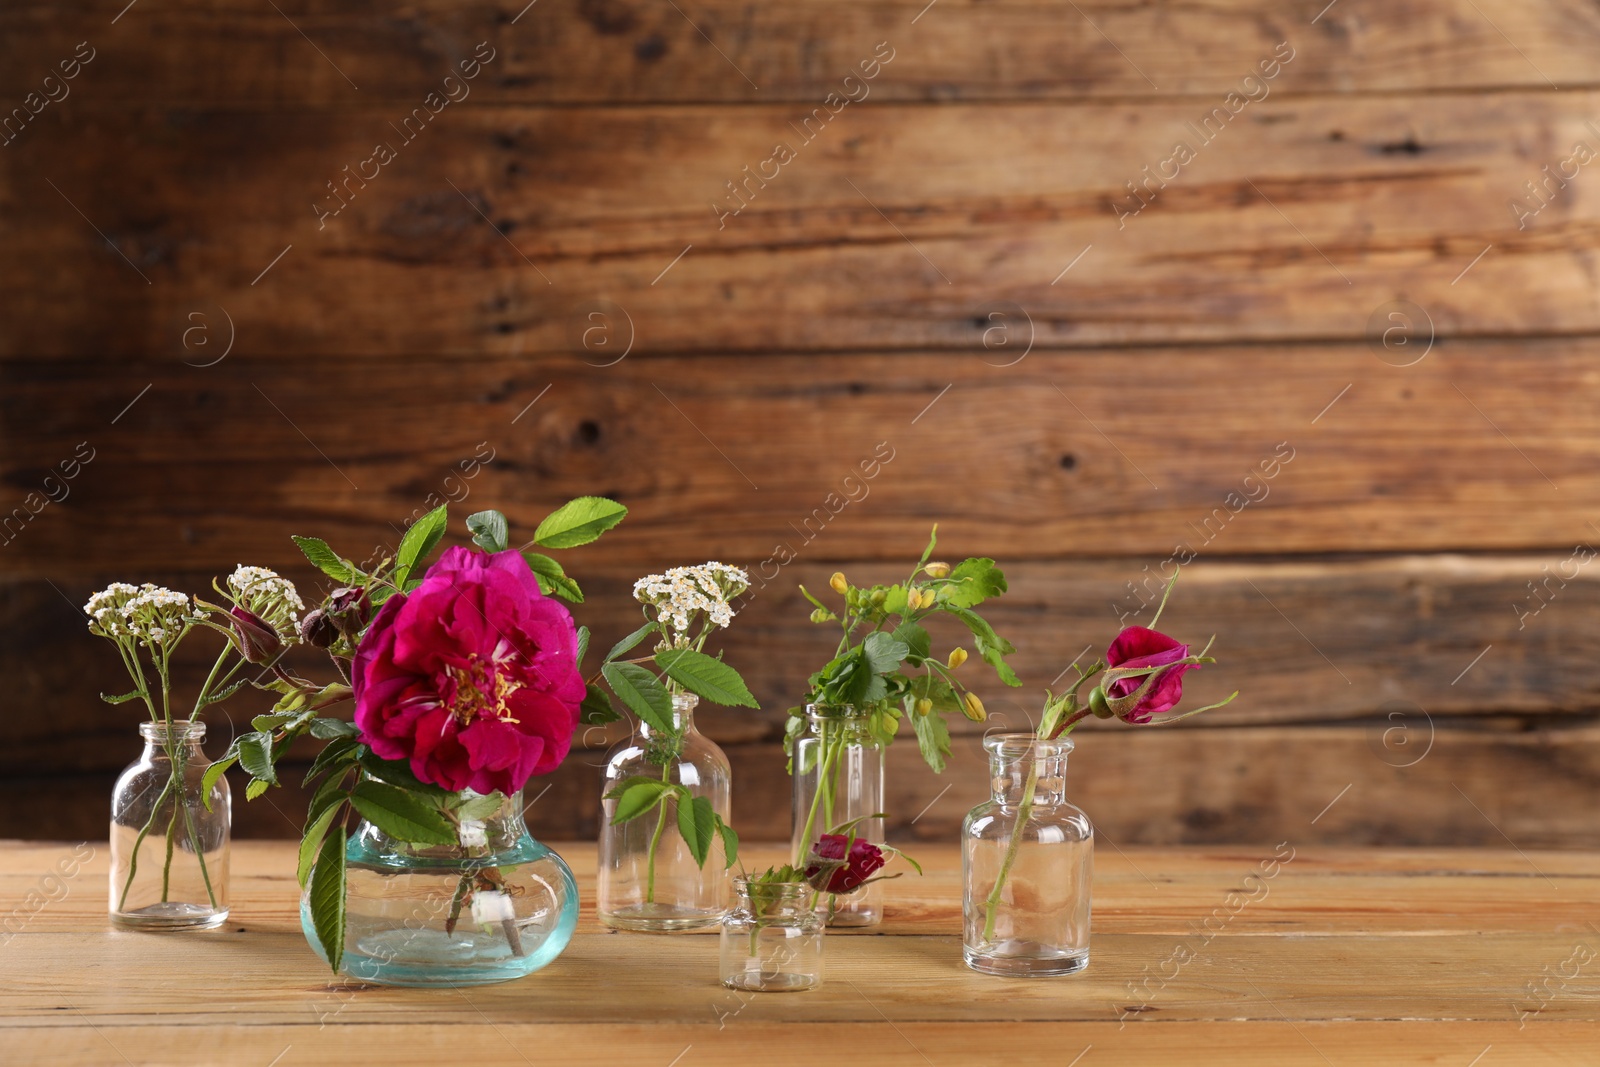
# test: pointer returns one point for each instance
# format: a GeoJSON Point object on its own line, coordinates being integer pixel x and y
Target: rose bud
{"type": "Point", "coordinates": [838, 582]}
{"type": "Point", "coordinates": [830, 870]}
{"type": "Point", "coordinates": [257, 641]}
{"type": "Point", "coordinates": [317, 630]}
{"type": "Point", "coordinates": [351, 610]}
{"type": "Point", "coordinates": [958, 656]}
{"type": "Point", "coordinates": [1137, 698]}
{"type": "Point", "coordinates": [937, 570]}
{"type": "Point", "coordinates": [973, 708]}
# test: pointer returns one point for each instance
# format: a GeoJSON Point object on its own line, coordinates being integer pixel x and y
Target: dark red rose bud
{"type": "Point", "coordinates": [350, 609]}
{"type": "Point", "coordinates": [1138, 697]}
{"type": "Point", "coordinates": [830, 870]}
{"type": "Point", "coordinates": [317, 630]}
{"type": "Point", "coordinates": [256, 639]}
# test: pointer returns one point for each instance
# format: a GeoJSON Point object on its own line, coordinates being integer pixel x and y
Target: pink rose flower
{"type": "Point", "coordinates": [841, 873]}
{"type": "Point", "coordinates": [472, 677]}
{"type": "Point", "coordinates": [1137, 647]}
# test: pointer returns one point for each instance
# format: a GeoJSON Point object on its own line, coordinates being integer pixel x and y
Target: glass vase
{"type": "Point", "coordinates": [772, 939]}
{"type": "Point", "coordinates": [169, 852]}
{"type": "Point", "coordinates": [838, 779]}
{"type": "Point", "coordinates": [499, 905]}
{"type": "Point", "coordinates": [1027, 861]}
{"type": "Point", "coordinates": [648, 879]}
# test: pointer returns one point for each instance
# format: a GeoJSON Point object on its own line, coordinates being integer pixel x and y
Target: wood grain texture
{"type": "Point", "coordinates": [1452, 940]}
{"type": "Point", "coordinates": [502, 229]}
{"type": "Point", "coordinates": [588, 51]}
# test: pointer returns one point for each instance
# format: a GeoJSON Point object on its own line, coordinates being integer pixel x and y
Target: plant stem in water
{"type": "Point", "coordinates": [1024, 810]}
{"type": "Point", "coordinates": [655, 840]}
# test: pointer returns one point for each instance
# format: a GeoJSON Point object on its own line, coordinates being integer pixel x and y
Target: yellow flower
{"type": "Point", "coordinates": [938, 570]}
{"type": "Point", "coordinates": [973, 707]}
{"type": "Point", "coordinates": [958, 656]}
{"type": "Point", "coordinates": [924, 705]}
{"type": "Point", "coordinates": [913, 599]}
{"type": "Point", "coordinates": [838, 582]}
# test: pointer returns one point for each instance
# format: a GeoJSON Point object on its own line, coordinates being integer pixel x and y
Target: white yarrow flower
{"type": "Point", "coordinates": [266, 594]}
{"type": "Point", "coordinates": [682, 593]}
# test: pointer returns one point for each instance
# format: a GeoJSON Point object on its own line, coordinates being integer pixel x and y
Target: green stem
{"type": "Point", "coordinates": [1024, 809]}
{"type": "Point", "coordinates": [825, 761]}
{"type": "Point", "coordinates": [210, 678]}
{"type": "Point", "coordinates": [199, 852]}
{"type": "Point", "coordinates": [166, 870]}
{"type": "Point", "coordinates": [655, 840]}
{"type": "Point", "coordinates": [138, 842]}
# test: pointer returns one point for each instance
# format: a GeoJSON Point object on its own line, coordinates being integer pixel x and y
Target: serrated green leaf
{"type": "Point", "coordinates": [918, 643]}
{"type": "Point", "coordinates": [255, 787]}
{"type": "Point", "coordinates": [419, 541]}
{"type": "Point", "coordinates": [270, 722]}
{"type": "Point", "coordinates": [397, 773]}
{"type": "Point", "coordinates": [329, 729]}
{"type": "Point", "coordinates": [215, 771]}
{"type": "Point", "coordinates": [730, 844]}
{"type": "Point", "coordinates": [479, 808]}
{"type": "Point", "coordinates": [224, 693]}
{"type": "Point", "coordinates": [489, 530]}
{"type": "Point", "coordinates": [991, 647]}
{"type": "Point", "coordinates": [583, 644]}
{"type": "Point", "coordinates": [400, 815]}
{"type": "Point", "coordinates": [255, 756]}
{"type": "Point", "coordinates": [552, 579]}
{"type": "Point", "coordinates": [596, 709]}
{"type": "Point", "coordinates": [972, 582]}
{"type": "Point", "coordinates": [933, 738]}
{"type": "Point", "coordinates": [577, 522]}
{"type": "Point", "coordinates": [629, 643]}
{"type": "Point", "coordinates": [339, 751]}
{"type": "Point", "coordinates": [883, 653]}
{"type": "Point", "coordinates": [707, 677]}
{"type": "Point", "coordinates": [316, 829]}
{"type": "Point", "coordinates": [326, 559]}
{"type": "Point", "coordinates": [635, 796]}
{"type": "Point", "coordinates": [697, 822]}
{"type": "Point", "coordinates": [326, 897]}
{"type": "Point", "coordinates": [642, 692]}
{"type": "Point", "coordinates": [894, 600]}
{"type": "Point", "coordinates": [122, 699]}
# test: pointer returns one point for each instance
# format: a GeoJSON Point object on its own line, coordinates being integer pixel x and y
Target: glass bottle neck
{"type": "Point", "coordinates": [843, 722]}
{"type": "Point", "coordinates": [181, 738]}
{"type": "Point", "coordinates": [682, 717]}
{"type": "Point", "coordinates": [1011, 775]}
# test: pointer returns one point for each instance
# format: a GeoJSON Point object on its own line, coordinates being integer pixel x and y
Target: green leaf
{"type": "Point", "coordinates": [992, 648]}
{"type": "Point", "coordinates": [894, 600]}
{"type": "Point", "coordinates": [706, 676]}
{"type": "Point", "coordinates": [814, 601]}
{"type": "Point", "coordinates": [637, 795]}
{"type": "Point", "coordinates": [401, 815]}
{"type": "Point", "coordinates": [328, 729]}
{"type": "Point", "coordinates": [255, 756]}
{"type": "Point", "coordinates": [123, 699]}
{"type": "Point", "coordinates": [255, 787]}
{"type": "Point", "coordinates": [927, 553]}
{"type": "Point", "coordinates": [215, 771]}
{"type": "Point", "coordinates": [627, 644]}
{"type": "Point", "coordinates": [730, 843]}
{"type": "Point", "coordinates": [552, 579]}
{"type": "Point", "coordinates": [577, 522]}
{"type": "Point", "coordinates": [642, 692]}
{"type": "Point", "coordinates": [339, 751]}
{"type": "Point", "coordinates": [326, 897]}
{"type": "Point", "coordinates": [489, 531]}
{"type": "Point", "coordinates": [596, 709]}
{"type": "Point", "coordinates": [311, 843]}
{"type": "Point", "coordinates": [697, 822]}
{"type": "Point", "coordinates": [327, 560]}
{"type": "Point", "coordinates": [583, 644]}
{"type": "Point", "coordinates": [419, 541]}
{"type": "Point", "coordinates": [479, 808]}
{"type": "Point", "coordinates": [396, 773]}
{"type": "Point", "coordinates": [268, 723]}
{"type": "Point", "coordinates": [933, 738]}
{"type": "Point", "coordinates": [916, 640]}
{"type": "Point", "coordinates": [972, 582]}
{"type": "Point", "coordinates": [222, 694]}
{"type": "Point", "coordinates": [883, 653]}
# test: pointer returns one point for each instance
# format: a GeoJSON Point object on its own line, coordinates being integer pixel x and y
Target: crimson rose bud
{"type": "Point", "coordinates": [351, 610]}
{"type": "Point", "coordinates": [258, 642]}
{"type": "Point", "coordinates": [317, 630]}
{"type": "Point", "coordinates": [830, 870]}
{"type": "Point", "coordinates": [1137, 699]}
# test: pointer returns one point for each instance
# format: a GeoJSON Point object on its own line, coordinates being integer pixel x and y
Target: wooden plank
{"type": "Point", "coordinates": [569, 51]}
{"type": "Point", "coordinates": [1216, 451]}
{"type": "Point", "coordinates": [1304, 220]}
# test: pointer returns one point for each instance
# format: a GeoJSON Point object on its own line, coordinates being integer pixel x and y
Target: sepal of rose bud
{"type": "Point", "coordinates": [838, 582]}
{"type": "Point", "coordinates": [350, 609]}
{"type": "Point", "coordinates": [958, 656]}
{"type": "Point", "coordinates": [255, 638]}
{"type": "Point", "coordinates": [937, 570]}
{"type": "Point", "coordinates": [973, 708]}
{"type": "Point", "coordinates": [317, 630]}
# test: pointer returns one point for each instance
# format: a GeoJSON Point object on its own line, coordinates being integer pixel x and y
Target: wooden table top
{"type": "Point", "coordinates": [1471, 958]}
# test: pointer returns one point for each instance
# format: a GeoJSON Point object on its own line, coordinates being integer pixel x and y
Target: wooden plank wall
{"type": "Point", "coordinates": [1301, 291]}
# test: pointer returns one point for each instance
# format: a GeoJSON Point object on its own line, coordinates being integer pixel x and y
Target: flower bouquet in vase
{"type": "Point", "coordinates": [884, 674]}
{"type": "Point", "coordinates": [416, 865]}
{"type": "Point", "coordinates": [1027, 854]}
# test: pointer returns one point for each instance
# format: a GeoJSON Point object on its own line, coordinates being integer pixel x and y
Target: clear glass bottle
{"type": "Point", "coordinates": [1027, 861]}
{"type": "Point", "coordinates": [772, 939]}
{"type": "Point", "coordinates": [648, 879]}
{"type": "Point", "coordinates": [496, 906]}
{"type": "Point", "coordinates": [169, 852]}
{"type": "Point", "coordinates": [838, 778]}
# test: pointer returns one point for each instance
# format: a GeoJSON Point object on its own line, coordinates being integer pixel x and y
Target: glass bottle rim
{"type": "Point", "coordinates": [1018, 743]}
{"type": "Point", "coordinates": [835, 712]}
{"type": "Point", "coordinates": [684, 701]}
{"type": "Point", "coordinates": [181, 730]}
{"type": "Point", "coordinates": [783, 890]}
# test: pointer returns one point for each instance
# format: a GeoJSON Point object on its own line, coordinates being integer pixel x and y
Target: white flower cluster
{"type": "Point", "coordinates": [149, 613]}
{"type": "Point", "coordinates": [264, 593]}
{"type": "Point", "coordinates": [682, 592]}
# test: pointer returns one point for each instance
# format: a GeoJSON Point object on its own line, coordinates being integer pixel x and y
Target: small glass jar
{"type": "Point", "coordinates": [772, 939]}
{"type": "Point", "coordinates": [169, 851]}
{"type": "Point", "coordinates": [496, 906]}
{"type": "Point", "coordinates": [1027, 861]}
{"type": "Point", "coordinates": [838, 779]}
{"type": "Point", "coordinates": [648, 879]}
